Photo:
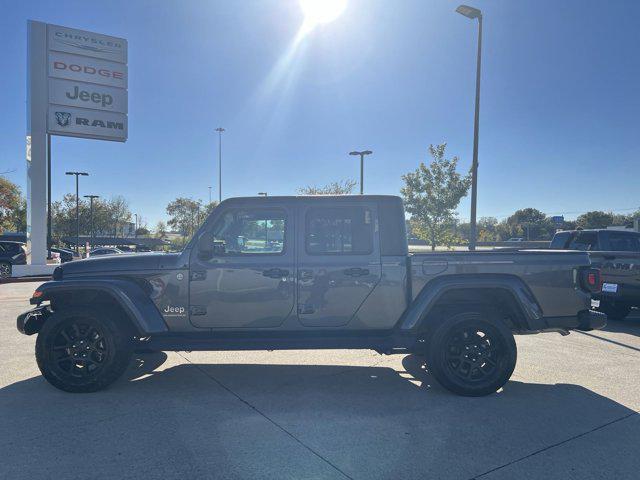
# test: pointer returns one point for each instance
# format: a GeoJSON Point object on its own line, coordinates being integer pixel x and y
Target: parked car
{"type": "Point", "coordinates": [105, 251]}
{"type": "Point", "coordinates": [516, 239]}
{"type": "Point", "coordinates": [617, 254]}
{"type": "Point", "coordinates": [65, 254]}
{"type": "Point", "coordinates": [306, 273]}
{"type": "Point", "coordinates": [11, 253]}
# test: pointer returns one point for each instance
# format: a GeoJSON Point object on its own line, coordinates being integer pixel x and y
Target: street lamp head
{"type": "Point", "coordinates": [364, 152]}
{"type": "Point", "coordinates": [220, 129]}
{"type": "Point", "coordinates": [367, 152]}
{"type": "Point", "coordinates": [77, 173]}
{"type": "Point", "coordinates": [469, 12]}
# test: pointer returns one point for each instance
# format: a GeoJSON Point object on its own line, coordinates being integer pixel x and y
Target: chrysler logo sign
{"type": "Point", "coordinates": [81, 42]}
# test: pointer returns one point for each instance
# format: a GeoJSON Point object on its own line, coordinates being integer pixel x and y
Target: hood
{"type": "Point", "coordinates": [129, 262]}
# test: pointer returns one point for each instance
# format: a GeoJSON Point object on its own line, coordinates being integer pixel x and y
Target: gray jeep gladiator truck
{"type": "Point", "coordinates": [616, 253]}
{"type": "Point", "coordinates": [321, 272]}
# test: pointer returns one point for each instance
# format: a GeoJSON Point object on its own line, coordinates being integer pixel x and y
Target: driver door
{"type": "Point", "coordinates": [248, 281]}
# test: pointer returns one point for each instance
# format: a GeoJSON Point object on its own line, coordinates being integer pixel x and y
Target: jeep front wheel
{"type": "Point", "coordinates": [471, 354]}
{"type": "Point", "coordinates": [79, 350]}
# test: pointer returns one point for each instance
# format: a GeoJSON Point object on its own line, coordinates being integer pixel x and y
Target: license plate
{"type": "Point", "coordinates": [610, 287]}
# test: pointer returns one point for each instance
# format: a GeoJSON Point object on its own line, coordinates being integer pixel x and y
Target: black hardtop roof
{"type": "Point", "coordinates": [630, 232]}
{"type": "Point", "coordinates": [315, 198]}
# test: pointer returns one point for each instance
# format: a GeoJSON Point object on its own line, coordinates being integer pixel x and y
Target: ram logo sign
{"type": "Point", "coordinates": [63, 118]}
{"type": "Point", "coordinates": [88, 123]}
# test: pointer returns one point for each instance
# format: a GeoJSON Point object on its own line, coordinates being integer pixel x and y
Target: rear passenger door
{"type": "Point", "coordinates": [338, 261]}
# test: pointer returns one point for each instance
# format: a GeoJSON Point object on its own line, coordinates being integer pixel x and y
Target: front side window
{"type": "Point", "coordinates": [245, 232]}
{"type": "Point", "coordinates": [339, 230]}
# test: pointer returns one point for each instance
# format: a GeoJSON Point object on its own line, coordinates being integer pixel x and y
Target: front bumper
{"type": "Point", "coordinates": [31, 321]}
{"type": "Point", "coordinates": [585, 320]}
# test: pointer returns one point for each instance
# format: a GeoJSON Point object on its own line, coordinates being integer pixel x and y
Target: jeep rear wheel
{"type": "Point", "coordinates": [614, 311]}
{"type": "Point", "coordinates": [471, 354]}
{"type": "Point", "coordinates": [78, 350]}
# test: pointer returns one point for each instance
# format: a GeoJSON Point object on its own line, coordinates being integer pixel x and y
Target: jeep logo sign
{"type": "Point", "coordinates": [81, 122]}
{"type": "Point", "coordinates": [78, 94]}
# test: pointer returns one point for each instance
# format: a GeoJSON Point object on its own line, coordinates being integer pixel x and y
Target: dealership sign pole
{"type": "Point", "coordinates": [76, 86]}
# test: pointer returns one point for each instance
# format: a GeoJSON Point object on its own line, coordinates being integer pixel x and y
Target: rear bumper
{"type": "Point", "coordinates": [585, 320]}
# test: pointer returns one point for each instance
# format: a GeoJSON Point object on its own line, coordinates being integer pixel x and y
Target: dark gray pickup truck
{"type": "Point", "coordinates": [616, 253]}
{"type": "Point", "coordinates": [308, 273]}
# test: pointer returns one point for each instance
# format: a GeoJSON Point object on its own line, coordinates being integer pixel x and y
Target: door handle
{"type": "Point", "coordinates": [198, 275]}
{"type": "Point", "coordinates": [276, 273]}
{"type": "Point", "coordinates": [356, 272]}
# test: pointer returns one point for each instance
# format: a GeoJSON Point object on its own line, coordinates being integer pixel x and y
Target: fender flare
{"type": "Point", "coordinates": [418, 311]}
{"type": "Point", "coordinates": [129, 295]}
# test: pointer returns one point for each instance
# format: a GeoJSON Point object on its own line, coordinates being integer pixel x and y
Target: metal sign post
{"type": "Point", "coordinates": [77, 86]}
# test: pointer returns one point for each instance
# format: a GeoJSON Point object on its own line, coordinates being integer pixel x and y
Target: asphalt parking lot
{"type": "Point", "coordinates": [569, 411]}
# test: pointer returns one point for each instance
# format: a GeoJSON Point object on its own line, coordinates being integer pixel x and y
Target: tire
{"type": "Point", "coordinates": [471, 354]}
{"type": "Point", "coordinates": [5, 270]}
{"type": "Point", "coordinates": [79, 350]}
{"type": "Point", "coordinates": [614, 311]}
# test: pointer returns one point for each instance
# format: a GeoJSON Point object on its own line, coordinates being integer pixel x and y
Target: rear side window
{"type": "Point", "coordinates": [584, 241]}
{"type": "Point", "coordinates": [621, 242]}
{"type": "Point", "coordinates": [339, 231]}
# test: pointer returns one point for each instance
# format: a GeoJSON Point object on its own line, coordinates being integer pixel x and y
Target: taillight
{"type": "Point", "coordinates": [590, 280]}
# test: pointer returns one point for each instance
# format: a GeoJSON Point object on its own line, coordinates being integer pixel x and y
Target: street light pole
{"type": "Point", "coordinates": [77, 174]}
{"type": "Point", "coordinates": [219, 130]}
{"type": "Point", "coordinates": [209, 194]}
{"type": "Point", "coordinates": [472, 13]}
{"type": "Point", "coordinates": [91, 198]}
{"type": "Point", "coordinates": [135, 231]}
{"type": "Point", "coordinates": [362, 154]}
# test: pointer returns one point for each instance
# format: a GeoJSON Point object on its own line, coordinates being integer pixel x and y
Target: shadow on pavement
{"type": "Point", "coordinates": [377, 422]}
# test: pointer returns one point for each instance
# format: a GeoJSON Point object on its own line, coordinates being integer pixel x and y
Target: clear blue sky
{"type": "Point", "coordinates": [560, 123]}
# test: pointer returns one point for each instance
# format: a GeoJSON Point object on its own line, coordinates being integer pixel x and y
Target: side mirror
{"type": "Point", "coordinates": [205, 244]}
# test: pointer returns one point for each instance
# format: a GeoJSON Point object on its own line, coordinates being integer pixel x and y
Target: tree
{"type": "Point", "coordinates": [431, 195]}
{"type": "Point", "coordinates": [595, 219]}
{"type": "Point", "coordinates": [109, 217]}
{"type": "Point", "coordinates": [341, 187]}
{"type": "Point", "coordinates": [529, 223]}
{"type": "Point", "coordinates": [120, 212]}
{"type": "Point", "coordinates": [487, 229]}
{"type": "Point", "coordinates": [161, 229]}
{"type": "Point", "coordinates": [13, 208]}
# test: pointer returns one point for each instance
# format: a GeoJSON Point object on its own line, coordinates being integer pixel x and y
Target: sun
{"type": "Point", "coordinates": [318, 12]}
